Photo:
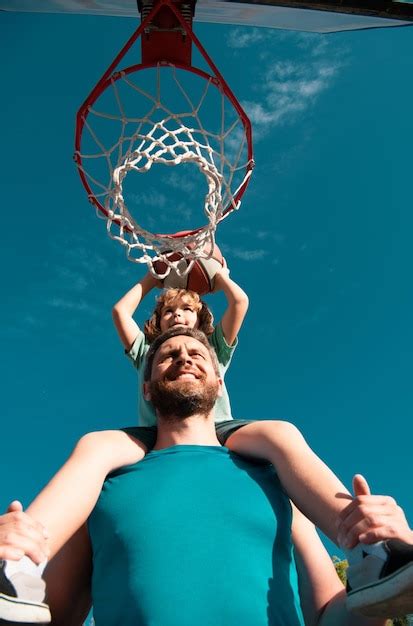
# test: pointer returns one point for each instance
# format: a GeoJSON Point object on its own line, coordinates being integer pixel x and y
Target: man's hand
{"type": "Point", "coordinates": [368, 519]}
{"type": "Point", "coordinates": [21, 535]}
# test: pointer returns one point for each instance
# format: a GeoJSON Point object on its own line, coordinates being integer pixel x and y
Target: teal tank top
{"type": "Point", "coordinates": [193, 536]}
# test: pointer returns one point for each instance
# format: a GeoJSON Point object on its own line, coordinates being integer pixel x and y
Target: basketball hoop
{"type": "Point", "coordinates": [152, 113]}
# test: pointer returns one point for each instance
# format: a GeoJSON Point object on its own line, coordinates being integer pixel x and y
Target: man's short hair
{"type": "Point", "coordinates": [177, 331]}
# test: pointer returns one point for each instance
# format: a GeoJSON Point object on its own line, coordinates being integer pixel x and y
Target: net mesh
{"type": "Point", "coordinates": [162, 116]}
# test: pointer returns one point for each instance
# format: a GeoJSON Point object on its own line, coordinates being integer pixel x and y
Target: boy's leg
{"type": "Point", "coordinates": [22, 590]}
{"type": "Point", "coordinates": [380, 574]}
{"type": "Point", "coordinates": [312, 486]}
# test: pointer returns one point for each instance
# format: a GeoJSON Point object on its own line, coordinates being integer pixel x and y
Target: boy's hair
{"type": "Point", "coordinates": [168, 297]}
{"type": "Point", "coordinates": [177, 331]}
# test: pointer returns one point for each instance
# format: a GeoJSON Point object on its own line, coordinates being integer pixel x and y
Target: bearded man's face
{"type": "Point", "coordinates": [181, 399]}
{"type": "Point", "coordinates": [184, 381]}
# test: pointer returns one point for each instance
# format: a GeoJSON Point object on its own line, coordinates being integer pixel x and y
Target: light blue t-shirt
{"type": "Point", "coordinates": [193, 536]}
{"type": "Point", "coordinates": [224, 352]}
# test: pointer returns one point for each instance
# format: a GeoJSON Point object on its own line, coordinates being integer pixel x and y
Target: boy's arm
{"type": "Point", "coordinates": [237, 305]}
{"type": "Point", "coordinates": [123, 310]}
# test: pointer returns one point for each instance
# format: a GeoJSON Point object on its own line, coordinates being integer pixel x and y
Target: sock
{"type": "Point", "coordinates": [356, 554]}
{"type": "Point", "coordinates": [25, 565]}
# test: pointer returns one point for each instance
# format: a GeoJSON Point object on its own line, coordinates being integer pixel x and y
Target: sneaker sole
{"type": "Point", "coordinates": [389, 597]}
{"type": "Point", "coordinates": [20, 611]}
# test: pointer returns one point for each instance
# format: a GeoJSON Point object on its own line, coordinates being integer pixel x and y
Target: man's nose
{"type": "Point", "coordinates": [183, 357]}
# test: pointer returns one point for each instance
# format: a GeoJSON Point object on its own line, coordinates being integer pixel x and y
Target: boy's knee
{"type": "Point", "coordinates": [96, 444]}
{"type": "Point", "coordinates": [280, 431]}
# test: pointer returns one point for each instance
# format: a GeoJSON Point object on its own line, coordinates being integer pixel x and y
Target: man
{"type": "Point", "coordinates": [193, 534]}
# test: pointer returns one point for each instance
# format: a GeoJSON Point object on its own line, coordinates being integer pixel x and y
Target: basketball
{"type": "Point", "coordinates": [201, 278]}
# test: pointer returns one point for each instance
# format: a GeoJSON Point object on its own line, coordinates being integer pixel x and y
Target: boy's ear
{"type": "Point", "coordinates": [146, 392]}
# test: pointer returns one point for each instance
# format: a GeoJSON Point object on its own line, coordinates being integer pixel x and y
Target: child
{"type": "Point", "coordinates": [66, 502]}
{"type": "Point", "coordinates": [180, 307]}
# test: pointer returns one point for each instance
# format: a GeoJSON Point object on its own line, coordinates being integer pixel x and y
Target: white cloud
{"type": "Point", "coordinates": [268, 234]}
{"type": "Point", "coordinates": [151, 198]}
{"type": "Point", "coordinates": [244, 255]}
{"type": "Point", "coordinates": [285, 89]}
{"type": "Point", "coordinates": [262, 234]}
{"type": "Point", "coordinates": [244, 38]}
{"type": "Point", "coordinates": [288, 90]}
{"type": "Point", "coordinates": [67, 304]}
{"type": "Point", "coordinates": [182, 183]}
{"type": "Point", "coordinates": [72, 279]}
{"type": "Point", "coordinates": [319, 314]}
{"type": "Point", "coordinates": [184, 211]}
{"type": "Point", "coordinates": [79, 257]}
{"type": "Point", "coordinates": [315, 45]}
{"type": "Point", "coordinates": [258, 113]}
{"type": "Point", "coordinates": [32, 321]}
{"type": "Point", "coordinates": [249, 255]}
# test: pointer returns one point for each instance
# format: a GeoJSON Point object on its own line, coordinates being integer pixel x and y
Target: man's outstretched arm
{"type": "Point", "coordinates": [68, 581]}
{"type": "Point", "coordinates": [323, 597]}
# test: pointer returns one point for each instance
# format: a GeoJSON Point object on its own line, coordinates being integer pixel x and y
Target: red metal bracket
{"type": "Point", "coordinates": [165, 34]}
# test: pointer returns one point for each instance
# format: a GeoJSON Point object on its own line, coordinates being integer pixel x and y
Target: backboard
{"type": "Point", "coordinates": [320, 16]}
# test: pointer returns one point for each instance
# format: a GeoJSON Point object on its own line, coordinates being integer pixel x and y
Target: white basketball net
{"type": "Point", "coordinates": [132, 144]}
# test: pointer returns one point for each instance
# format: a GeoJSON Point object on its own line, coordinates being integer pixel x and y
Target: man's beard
{"type": "Point", "coordinates": [180, 399]}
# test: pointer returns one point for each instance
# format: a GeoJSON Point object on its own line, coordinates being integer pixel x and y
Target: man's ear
{"type": "Point", "coordinates": [146, 392]}
{"type": "Point", "coordinates": [220, 383]}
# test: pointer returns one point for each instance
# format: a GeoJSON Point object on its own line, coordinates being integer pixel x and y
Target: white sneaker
{"type": "Point", "coordinates": [22, 597]}
{"type": "Point", "coordinates": [380, 579]}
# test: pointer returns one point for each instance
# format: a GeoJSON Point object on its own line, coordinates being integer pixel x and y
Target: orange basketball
{"type": "Point", "coordinates": [201, 278]}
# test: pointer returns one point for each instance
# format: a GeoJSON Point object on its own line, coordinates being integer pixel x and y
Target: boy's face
{"type": "Point", "coordinates": [178, 313]}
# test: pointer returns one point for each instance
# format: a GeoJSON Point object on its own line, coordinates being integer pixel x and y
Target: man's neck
{"type": "Point", "coordinates": [197, 430]}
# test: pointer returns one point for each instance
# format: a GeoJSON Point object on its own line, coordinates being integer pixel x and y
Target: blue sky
{"type": "Point", "coordinates": [322, 245]}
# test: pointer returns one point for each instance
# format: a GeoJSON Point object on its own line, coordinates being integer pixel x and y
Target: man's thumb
{"type": "Point", "coordinates": [14, 506]}
{"type": "Point", "coordinates": [360, 486]}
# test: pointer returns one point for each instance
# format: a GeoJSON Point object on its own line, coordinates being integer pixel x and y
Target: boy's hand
{"type": "Point", "coordinates": [152, 281]}
{"type": "Point", "coordinates": [221, 278]}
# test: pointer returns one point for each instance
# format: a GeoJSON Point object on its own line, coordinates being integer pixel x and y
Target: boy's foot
{"type": "Point", "coordinates": [380, 579]}
{"type": "Point", "coordinates": [22, 598]}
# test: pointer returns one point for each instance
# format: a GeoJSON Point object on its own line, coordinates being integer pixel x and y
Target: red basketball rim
{"type": "Point", "coordinates": [216, 79]}
{"type": "Point", "coordinates": [84, 112]}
